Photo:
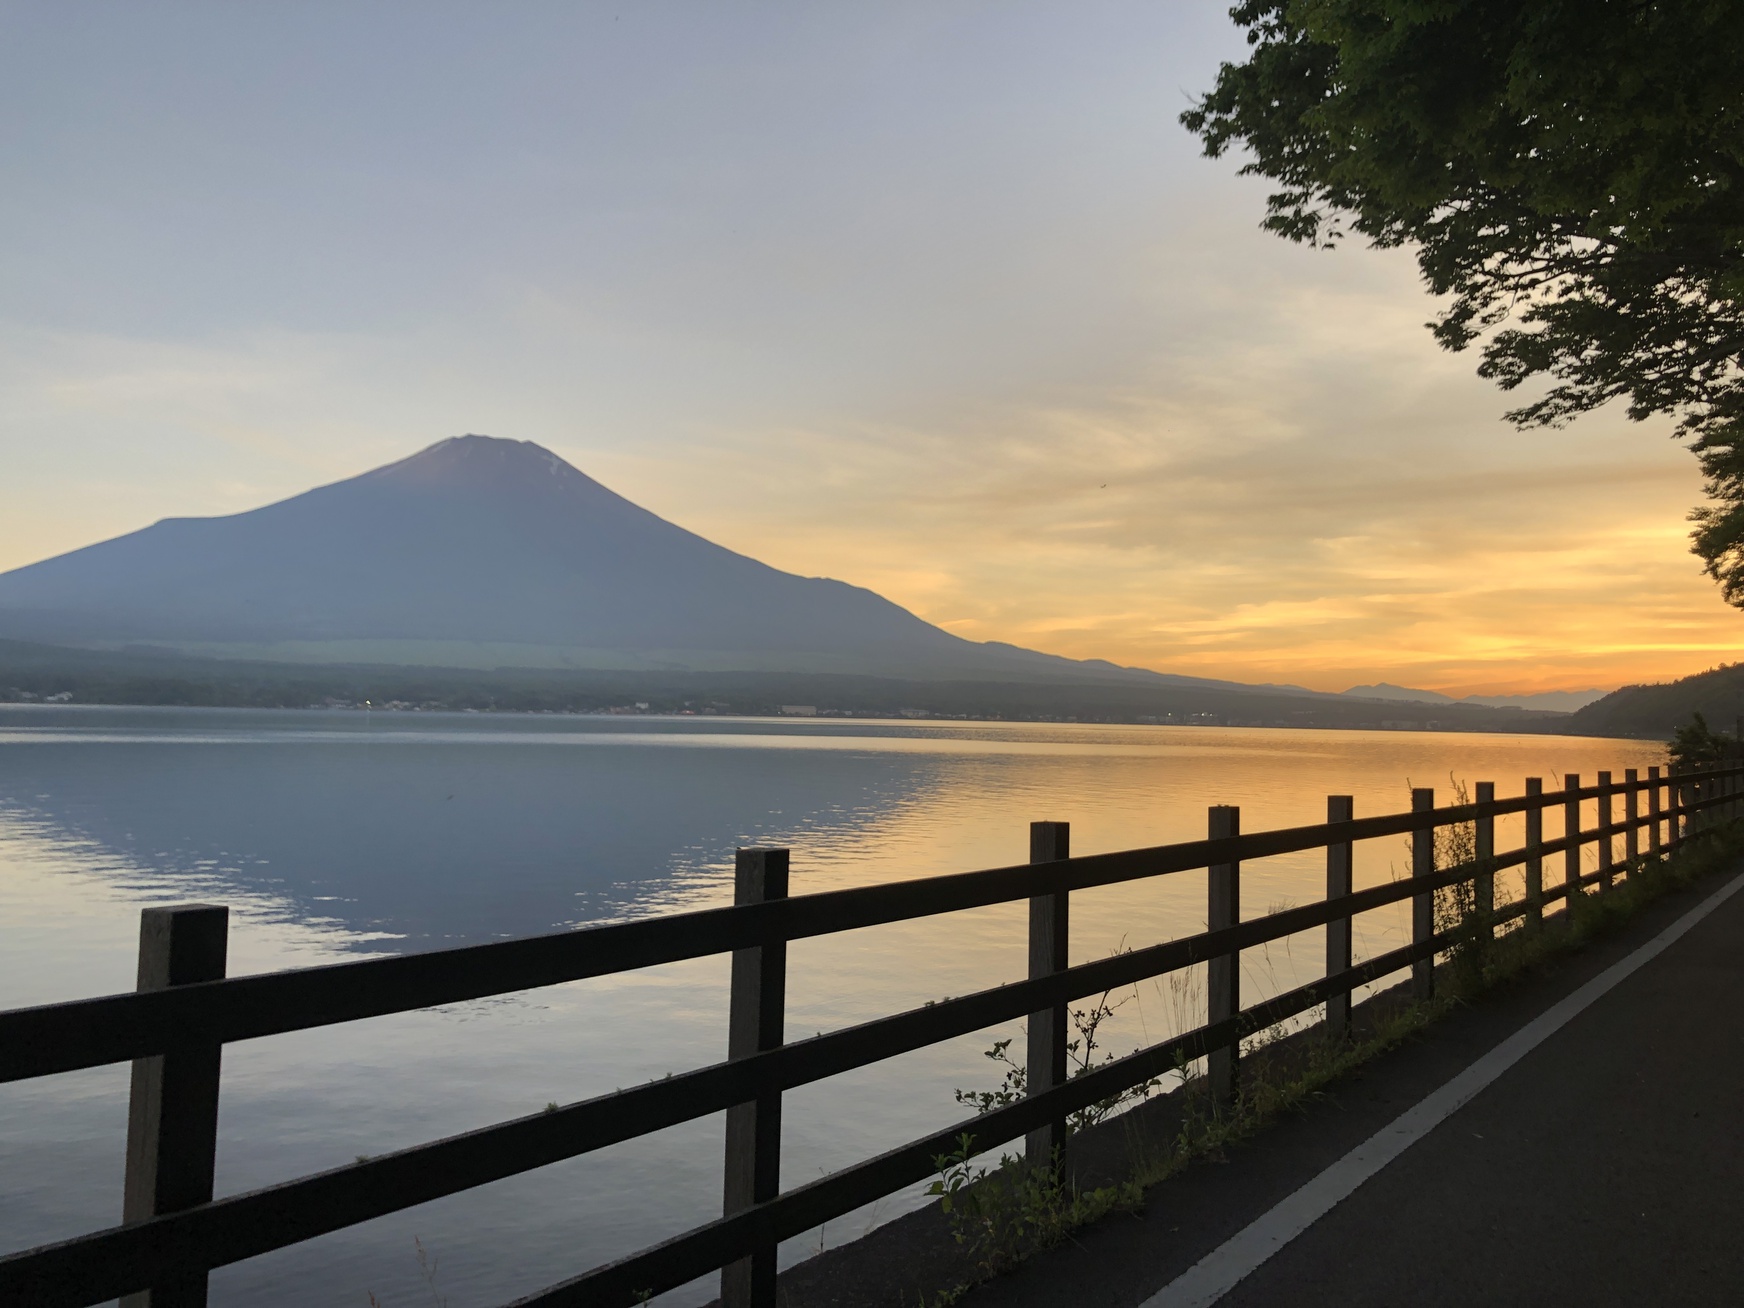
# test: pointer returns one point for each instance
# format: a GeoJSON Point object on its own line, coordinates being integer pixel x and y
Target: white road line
{"type": "Point", "coordinates": [1216, 1274]}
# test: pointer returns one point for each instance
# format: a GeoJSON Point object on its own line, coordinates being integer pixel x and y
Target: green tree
{"type": "Point", "coordinates": [1569, 172]}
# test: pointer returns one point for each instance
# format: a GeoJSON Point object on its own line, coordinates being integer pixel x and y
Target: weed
{"type": "Point", "coordinates": [1186, 993]}
{"type": "Point", "coordinates": [943, 1299]}
{"type": "Point", "coordinates": [1008, 1214]}
{"type": "Point", "coordinates": [427, 1262]}
{"type": "Point", "coordinates": [1012, 1086]}
{"type": "Point", "coordinates": [1081, 1057]}
{"type": "Point", "coordinates": [1458, 905]}
{"type": "Point", "coordinates": [427, 1269]}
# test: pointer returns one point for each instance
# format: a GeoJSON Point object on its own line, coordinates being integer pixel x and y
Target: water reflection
{"type": "Point", "coordinates": [458, 838]}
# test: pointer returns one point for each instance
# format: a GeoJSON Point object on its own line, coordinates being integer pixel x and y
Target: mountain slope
{"type": "Point", "coordinates": [483, 552]}
{"type": "Point", "coordinates": [471, 540]}
{"type": "Point", "coordinates": [1658, 710]}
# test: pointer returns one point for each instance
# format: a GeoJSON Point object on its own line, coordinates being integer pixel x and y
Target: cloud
{"type": "Point", "coordinates": [1333, 502]}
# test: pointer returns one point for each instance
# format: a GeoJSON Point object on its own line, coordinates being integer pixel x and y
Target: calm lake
{"type": "Point", "coordinates": [334, 835]}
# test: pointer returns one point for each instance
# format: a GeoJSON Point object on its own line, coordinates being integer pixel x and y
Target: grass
{"type": "Point", "coordinates": [1007, 1215]}
{"type": "Point", "coordinates": [427, 1263]}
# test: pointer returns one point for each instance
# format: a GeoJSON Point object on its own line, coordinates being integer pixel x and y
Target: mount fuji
{"type": "Point", "coordinates": [481, 552]}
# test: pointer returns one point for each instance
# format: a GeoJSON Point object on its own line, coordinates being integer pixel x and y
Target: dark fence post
{"type": "Point", "coordinates": [172, 1114]}
{"type": "Point", "coordinates": [754, 1024]}
{"type": "Point", "coordinates": [1653, 810]}
{"type": "Point", "coordinates": [1607, 854]}
{"type": "Point", "coordinates": [1484, 887]}
{"type": "Point", "coordinates": [1045, 1066]}
{"type": "Point", "coordinates": [1631, 815]}
{"type": "Point", "coordinates": [1423, 904]}
{"type": "Point", "coordinates": [1534, 855]}
{"type": "Point", "coordinates": [1737, 781]}
{"type": "Point", "coordinates": [1223, 972]}
{"type": "Point", "coordinates": [1673, 815]}
{"type": "Point", "coordinates": [1571, 830]}
{"type": "Point", "coordinates": [1339, 857]}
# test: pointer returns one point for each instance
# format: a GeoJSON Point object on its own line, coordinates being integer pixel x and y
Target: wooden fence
{"type": "Point", "coordinates": [173, 1029]}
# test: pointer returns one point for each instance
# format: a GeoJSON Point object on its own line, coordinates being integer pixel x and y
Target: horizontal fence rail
{"type": "Point", "coordinates": [173, 1027]}
{"type": "Point", "coordinates": [118, 1028]}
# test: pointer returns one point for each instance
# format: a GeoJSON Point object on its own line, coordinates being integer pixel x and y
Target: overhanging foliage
{"type": "Point", "coordinates": [1569, 172]}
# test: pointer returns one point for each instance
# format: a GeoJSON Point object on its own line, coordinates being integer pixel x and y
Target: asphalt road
{"type": "Point", "coordinates": [1605, 1167]}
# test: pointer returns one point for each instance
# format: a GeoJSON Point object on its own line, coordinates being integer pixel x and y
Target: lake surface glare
{"type": "Point", "coordinates": [337, 835]}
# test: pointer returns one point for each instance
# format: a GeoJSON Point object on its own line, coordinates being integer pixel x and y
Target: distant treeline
{"type": "Point", "coordinates": [145, 677]}
{"type": "Point", "coordinates": [1655, 712]}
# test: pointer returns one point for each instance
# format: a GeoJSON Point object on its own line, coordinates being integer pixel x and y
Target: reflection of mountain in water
{"type": "Point", "coordinates": [445, 842]}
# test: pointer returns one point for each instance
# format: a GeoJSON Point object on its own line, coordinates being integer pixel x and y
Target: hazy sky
{"type": "Point", "coordinates": [934, 298]}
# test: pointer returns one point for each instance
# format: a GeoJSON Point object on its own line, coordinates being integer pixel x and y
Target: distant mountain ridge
{"type": "Point", "coordinates": [1553, 701]}
{"type": "Point", "coordinates": [482, 552]}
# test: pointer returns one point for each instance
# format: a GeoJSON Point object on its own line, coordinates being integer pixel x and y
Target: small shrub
{"type": "Point", "coordinates": [1697, 745]}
